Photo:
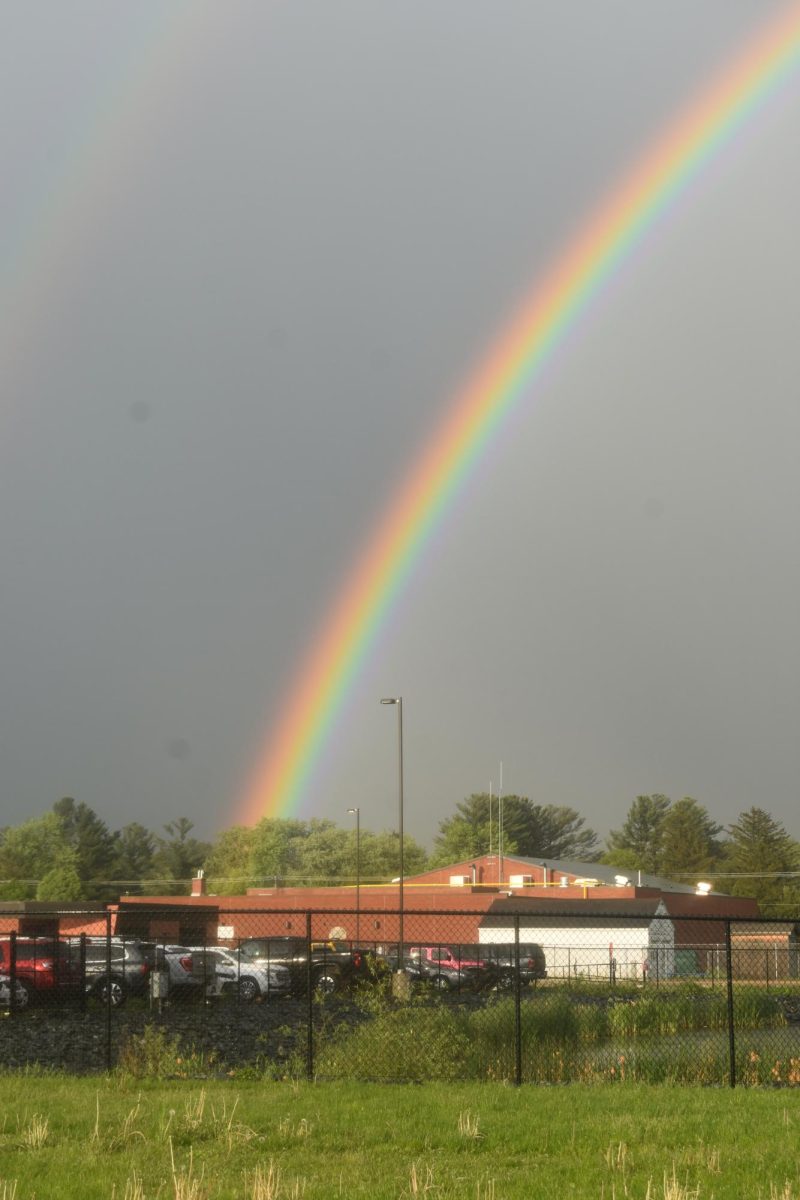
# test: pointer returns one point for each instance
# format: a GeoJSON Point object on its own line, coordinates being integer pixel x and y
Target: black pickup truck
{"type": "Point", "coordinates": [334, 965]}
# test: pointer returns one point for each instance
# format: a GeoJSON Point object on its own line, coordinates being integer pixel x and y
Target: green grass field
{"type": "Point", "coordinates": [129, 1139]}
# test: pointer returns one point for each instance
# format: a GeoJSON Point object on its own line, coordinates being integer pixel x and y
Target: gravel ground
{"type": "Point", "coordinates": [228, 1035]}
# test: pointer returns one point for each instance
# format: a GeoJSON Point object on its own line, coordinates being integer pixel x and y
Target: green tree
{"type": "Point", "coordinates": [134, 848]}
{"type": "Point", "coordinates": [761, 851]}
{"type": "Point", "coordinates": [627, 860]}
{"type": "Point", "coordinates": [228, 865]}
{"type": "Point", "coordinates": [178, 856]}
{"type": "Point", "coordinates": [557, 831]}
{"type": "Point", "coordinates": [293, 852]}
{"type": "Point", "coordinates": [639, 844]}
{"type": "Point", "coordinates": [467, 833]}
{"type": "Point", "coordinates": [28, 852]}
{"type": "Point", "coordinates": [92, 844]}
{"type": "Point", "coordinates": [380, 856]}
{"type": "Point", "coordinates": [530, 830]}
{"type": "Point", "coordinates": [326, 853]}
{"type": "Point", "coordinates": [277, 849]}
{"type": "Point", "coordinates": [690, 841]}
{"type": "Point", "coordinates": [59, 885]}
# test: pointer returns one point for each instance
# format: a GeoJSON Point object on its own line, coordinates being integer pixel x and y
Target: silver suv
{"type": "Point", "coordinates": [122, 972]}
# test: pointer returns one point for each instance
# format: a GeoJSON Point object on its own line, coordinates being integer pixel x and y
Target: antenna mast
{"type": "Point", "coordinates": [500, 827]}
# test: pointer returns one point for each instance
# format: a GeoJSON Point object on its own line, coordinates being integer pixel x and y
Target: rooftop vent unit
{"type": "Point", "coordinates": [702, 889]}
{"type": "Point", "coordinates": [519, 880]}
{"type": "Point", "coordinates": [622, 881]}
{"type": "Point", "coordinates": [586, 883]}
{"type": "Point", "coordinates": [564, 881]}
{"type": "Point", "coordinates": [459, 880]}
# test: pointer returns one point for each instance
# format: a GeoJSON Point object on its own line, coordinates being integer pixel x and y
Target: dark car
{"type": "Point", "coordinates": [333, 965]}
{"type": "Point", "coordinates": [501, 956]}
{"type": "Point", "coordinates": [121, 967]}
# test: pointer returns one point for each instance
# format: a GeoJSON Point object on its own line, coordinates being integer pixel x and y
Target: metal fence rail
{"type": "Point", "coordinates": [518, 996]}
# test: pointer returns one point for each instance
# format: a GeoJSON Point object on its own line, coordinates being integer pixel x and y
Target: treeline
{"type": "Point", "coordinates": [755, 856]}
{"type": "Point", "coordinates": [679, 840]}
{"type": "Point", "coordinates": [70, 853]}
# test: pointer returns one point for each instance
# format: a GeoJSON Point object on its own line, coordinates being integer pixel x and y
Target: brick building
{"type": "Point", "coordinates": [465, 892]}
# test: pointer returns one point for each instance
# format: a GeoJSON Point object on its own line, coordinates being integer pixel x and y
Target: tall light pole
{"type": "Point", "coordinates": [357, 813]}
{"type": "Point", "coordinates": [398, 700]}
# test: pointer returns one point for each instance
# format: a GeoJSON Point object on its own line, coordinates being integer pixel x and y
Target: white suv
{"type": "Point", "coordinates": [225, 974]}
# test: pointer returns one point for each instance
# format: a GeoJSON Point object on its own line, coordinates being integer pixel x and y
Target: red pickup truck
{"type": "Point", "coordinates": [446, 968]}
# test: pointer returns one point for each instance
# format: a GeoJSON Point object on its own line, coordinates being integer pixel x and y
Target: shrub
{"type": "Point", "coordinates": [155, 1054]}
{"type": "Point", "coordinates": [412, 1044]}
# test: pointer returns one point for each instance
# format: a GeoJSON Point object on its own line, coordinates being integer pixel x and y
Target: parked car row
{"type": "Point", "coordinates": [111, 970]}
{"type": "Point", "coordinates": [49, 968]}
{"type": "Point", "coordinates": [258, 968]}
{"type": "Point", "coordinates": [474, 967]}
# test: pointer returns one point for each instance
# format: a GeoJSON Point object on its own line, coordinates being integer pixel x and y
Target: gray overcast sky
{"type": "Point", "coordinates": [248, 253]}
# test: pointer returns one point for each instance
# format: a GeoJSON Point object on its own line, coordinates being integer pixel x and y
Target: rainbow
{"type": "Point", "coordinates": [321, 687]}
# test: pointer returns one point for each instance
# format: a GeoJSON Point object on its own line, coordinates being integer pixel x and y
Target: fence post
{"type": "Point", "coordinates": [517, 1009]}
{"type": "Point", "coordinates": [12, 971]}
{"type": "Point", "coordinates": [108, 991]}
{"type": "Point", "coordinates": [310, 1004]}
{"type": "Point", "coordinates": [729, 974]}
{"type": "Point", "coordinates": [82, 972]}
{"type": "Point", "coordinates": [206, 980]}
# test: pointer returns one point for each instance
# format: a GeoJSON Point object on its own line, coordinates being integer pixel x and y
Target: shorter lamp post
{"type": "Point", "coordinates": [356, 812]}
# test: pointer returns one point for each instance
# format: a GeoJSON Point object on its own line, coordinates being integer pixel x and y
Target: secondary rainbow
{"type": "Point", "coordinates": [309, 713]}
{"type": "Point", "coordinates": [43, 240]}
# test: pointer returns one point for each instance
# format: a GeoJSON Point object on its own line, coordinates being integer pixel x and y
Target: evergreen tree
{"type": "Point", "coordinates": [92, 845]}
{"type": "Point", "coordinates": [690, 841]}
{"type": "Point", "coordinates": [529, 830]}
{"type": "Point", "coordinates": [761, 851]}
{"type": "Point", "coordinates": [178, 857]}
{"type": "Point", "coordinates": [641, 838]}
{"type": "Point", "coordinates": [557, 831]}
{"type": "Point", "coordinates": [134, 847]}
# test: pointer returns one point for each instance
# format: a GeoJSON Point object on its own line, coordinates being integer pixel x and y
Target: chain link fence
{"type": "Point", "coordinates": [504, 994]}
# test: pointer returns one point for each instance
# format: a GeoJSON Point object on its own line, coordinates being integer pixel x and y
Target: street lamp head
{"type": "Point", "coordinates": [392, 700]}
{"type": "Point", "coordinates": [354, 811]}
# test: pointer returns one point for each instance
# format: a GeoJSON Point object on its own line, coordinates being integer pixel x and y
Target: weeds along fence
{"type": "Point", "coordinates": [514, 991]}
